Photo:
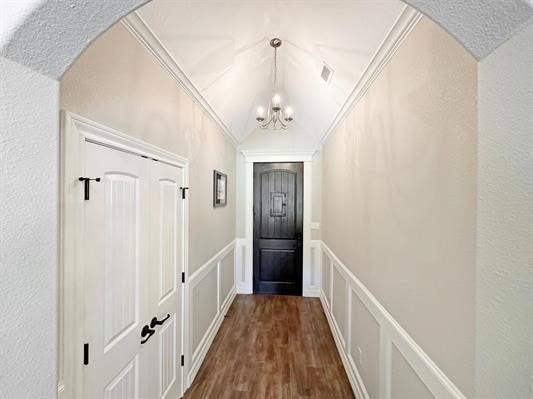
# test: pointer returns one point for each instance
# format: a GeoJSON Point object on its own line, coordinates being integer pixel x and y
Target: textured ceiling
{"type": "Point", "coordinates": [223, 48]}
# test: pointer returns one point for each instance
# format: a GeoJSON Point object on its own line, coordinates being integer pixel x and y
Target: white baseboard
{"type": "Point", "coordinates": [196, 356]}
{"type": "Point", "coordinates": [354, 377]}
{"type": "Point", "coordinates": [311, 293]}
{"type": "Point", "coordinates": [244, 290]}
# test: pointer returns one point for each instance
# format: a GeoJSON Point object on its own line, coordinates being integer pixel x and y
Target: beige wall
{"type": "Point", "coordinates": [399, 195]}
{"type": "Point", "coordinates": [118, 84]}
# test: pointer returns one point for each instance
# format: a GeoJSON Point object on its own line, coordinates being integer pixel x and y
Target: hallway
{"type": "Point", "coordinates": [266, 199]}
{"type": "Point", "coordinates": [272, 347]}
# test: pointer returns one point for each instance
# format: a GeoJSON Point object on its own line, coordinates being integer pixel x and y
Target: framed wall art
{"type": "Point", "coordinates": [220, 188]}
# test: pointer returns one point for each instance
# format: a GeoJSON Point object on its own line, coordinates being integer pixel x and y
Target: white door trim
{"type": "Point", "coordinates": [75, 131]}
{"type": "Point", "coordinates": [310, 284]}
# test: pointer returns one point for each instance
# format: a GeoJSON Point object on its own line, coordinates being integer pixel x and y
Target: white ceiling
{"type": "Point", "coordinates": [223, 48]}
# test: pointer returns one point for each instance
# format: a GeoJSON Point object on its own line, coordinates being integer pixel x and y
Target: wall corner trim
{"type": "Point", "coordinates": [148, 39]}
{"type": "Point", "coordinates": [403, 25]}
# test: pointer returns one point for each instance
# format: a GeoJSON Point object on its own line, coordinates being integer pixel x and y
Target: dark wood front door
{"type": "Point", "coordinates": [278, 220]}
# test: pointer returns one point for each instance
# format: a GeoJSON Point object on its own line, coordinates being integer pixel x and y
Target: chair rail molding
{"type": "Point", "coordinates": [391, 335]}
{"type": "Point", "coordinates": [244, 271]}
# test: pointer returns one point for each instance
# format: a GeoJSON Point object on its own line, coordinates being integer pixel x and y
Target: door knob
{"type": "Point", "coordinates": [146, 331]}
{"type": "Point", "coordinates": [156, 322]}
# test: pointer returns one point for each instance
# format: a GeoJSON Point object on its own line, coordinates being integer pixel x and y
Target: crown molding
{"type": "Point", "coordinates": [140, 31]}
{"type": "Point", "coordinates": [403, 25]}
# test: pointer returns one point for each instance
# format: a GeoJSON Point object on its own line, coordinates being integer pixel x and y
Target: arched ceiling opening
{"type": "Point", "coordinates": [48, 35]}
{"type": "Point", "coordinates": [222, 45]}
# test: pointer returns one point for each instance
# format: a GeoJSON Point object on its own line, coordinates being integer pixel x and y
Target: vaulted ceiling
{"type": "Point", "coordinates": [223, 48]}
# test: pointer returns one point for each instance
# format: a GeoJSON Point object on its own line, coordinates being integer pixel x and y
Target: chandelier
{"type": "Point", "coordinates": [276, 117]}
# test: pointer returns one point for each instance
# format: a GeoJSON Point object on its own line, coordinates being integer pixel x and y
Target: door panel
{"type": "Point", "coordinates": [167, 358]}
{"type": "Point", "coordinates": [121, 262]}
{"type": "Point", "coordinates": [114, 224]}
{"type": "Point", "coordinates": [278, 220]}
{"type": "Point", "coordinates": [125, 384]}
{"type": "Point", "coordinates": [167, 250]}
{"type": "Point", "coordinates": [167, 259]}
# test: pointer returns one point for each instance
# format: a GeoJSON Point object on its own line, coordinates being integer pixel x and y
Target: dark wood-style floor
{"type": "Point", "coordinates": [272, 347]}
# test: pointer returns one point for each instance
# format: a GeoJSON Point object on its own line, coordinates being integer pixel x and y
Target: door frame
{"type": "Point", "coordinates": [75, 131]}
{"type": "Point", "coordinates": [310, 278]}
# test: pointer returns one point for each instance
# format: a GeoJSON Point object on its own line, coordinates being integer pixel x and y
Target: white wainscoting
{"type": "Point", "coordinates": [311, 287]}
{"type": "Point", "coordinates": [375, 350]}
{"type": "Point", "coordinates": [243, 274]}
{"type": "Point", "coordinates": [211, 290]}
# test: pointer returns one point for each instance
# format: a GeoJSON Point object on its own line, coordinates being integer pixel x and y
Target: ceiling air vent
{"type": "Point", "coordinates": [326, 73]}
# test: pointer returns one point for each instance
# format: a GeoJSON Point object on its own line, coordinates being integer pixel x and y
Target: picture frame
{"type": "Point", "coordinates": [220, 189]}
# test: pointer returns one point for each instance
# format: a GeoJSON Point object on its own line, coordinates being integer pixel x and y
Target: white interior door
{"type": "Point", "coordinates": [114, 257]}
{"type": "Point", "coordinates": [166, 265]}
{"type": "Point", "coordinates": [133, 258]}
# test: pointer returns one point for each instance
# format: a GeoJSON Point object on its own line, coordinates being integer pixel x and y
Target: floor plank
{"type": "Point", "coordinates": [272, 347]}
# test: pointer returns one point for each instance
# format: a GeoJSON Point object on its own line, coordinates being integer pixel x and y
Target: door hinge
{"type": "Point", "coordinates": [182, 360]}
{"type": "Point", "coordinates": [183, 191]}
{"type": "Point", "coordinates": [183, 277]}
{"type": "Point", "coordinates": [85, 354]}
{"type": "Point", "coordinates": [86, 185]}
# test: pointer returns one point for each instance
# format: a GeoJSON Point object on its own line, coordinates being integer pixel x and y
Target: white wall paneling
{"type": "Point", "coordinates": [312, 288]}
{"type": "Point", "coordinates": [380, 345]}
{"type": "Point", "coordinates": [311, 279]}
{"type": "Point", "coordinates": [210, 292]}
{"type": "Point", "coordinates": [242, 284]}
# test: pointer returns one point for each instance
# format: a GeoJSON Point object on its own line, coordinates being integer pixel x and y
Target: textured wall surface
{"type": "Point", "coordinates": [504, 361]}
{"type": "Point", "coordinates": [399, 195]}
{"type": "Point", "coordinates": [29, 175]}
{"type": "Point", "coordinates": [116, 82]}
{"type": "Point", "coordinates": [31, 31]}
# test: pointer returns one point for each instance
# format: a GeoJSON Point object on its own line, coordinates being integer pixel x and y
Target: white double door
{"type": "Point", "coordinates": [133, 259]}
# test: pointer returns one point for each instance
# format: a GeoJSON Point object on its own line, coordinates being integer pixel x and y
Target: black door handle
{"type": "Point", "coordinates": [146, 331]}
{"type": "Point", "coordinates": [156, 322]}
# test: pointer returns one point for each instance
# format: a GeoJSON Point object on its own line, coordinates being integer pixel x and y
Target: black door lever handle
{"type": "Point", "coordinates": [146, 331]}
{"type": "Point", "coordinates": [156, 322]}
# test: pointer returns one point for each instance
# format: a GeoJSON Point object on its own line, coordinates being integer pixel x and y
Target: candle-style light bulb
{"type": "Point", "coordinates": [260, 114]}
{"type": "Point", "coordinates": [276, 100]}
{"type": "Point", "coordinates": [288, 114]}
